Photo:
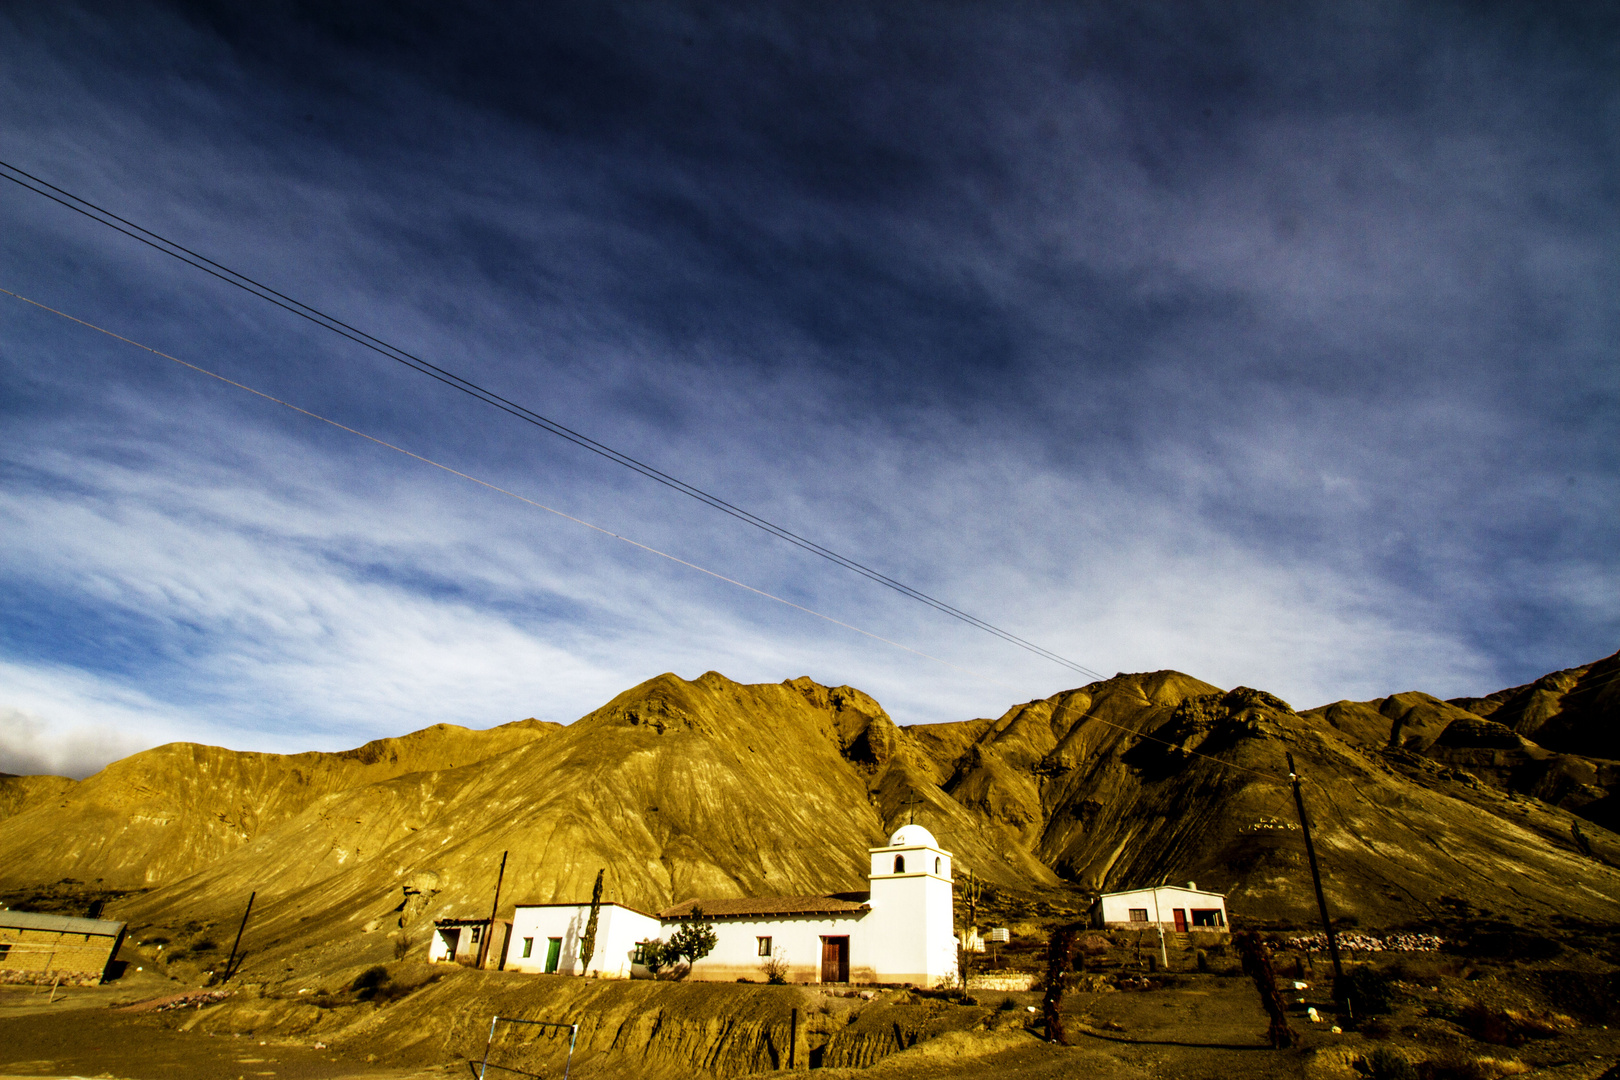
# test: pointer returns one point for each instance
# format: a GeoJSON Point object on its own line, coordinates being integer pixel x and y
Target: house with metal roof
{"type": "Point", "coordinates": [38, 948]}
{"type": "Point", "coordinates": [899, 931]}
{"type": "Point", "coordinates": [1163, 907]}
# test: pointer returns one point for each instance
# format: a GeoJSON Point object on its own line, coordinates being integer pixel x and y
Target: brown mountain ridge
{"type": "Point", "coordinates": [712, 788]}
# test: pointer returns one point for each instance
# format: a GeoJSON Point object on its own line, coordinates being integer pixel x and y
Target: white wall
{"type": "Point", "coordinates": [908, 936]}
{"type": "Point", "coordinates": [911, 933]}
{"type": "Point", "coordinates": [1116, 906]}
{"type": "Point", "coordinates": [438, 947]}
{"type": "Point", "coordinates": [617, 931]}
{"type": "Point", "coordinates": [794, 938]}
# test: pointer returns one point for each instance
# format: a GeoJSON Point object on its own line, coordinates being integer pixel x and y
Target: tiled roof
{"type": "Point", "coordinates": [735, 908]}
{"type": "Point", "coordinates": [583, 904]}
{"type": "Point", "coordinates": [67, 924]}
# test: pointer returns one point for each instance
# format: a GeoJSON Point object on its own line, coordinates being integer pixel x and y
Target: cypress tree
{"type": "Point", "coordinates": [587, 944]}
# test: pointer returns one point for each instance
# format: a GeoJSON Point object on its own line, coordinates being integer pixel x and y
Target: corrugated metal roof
{"type": "Point", "coordinates": [732, 908]}
{"type": "Point", "coordinates": [67, 924]}
{"type": "Point", "coordinates": [1158, 888]}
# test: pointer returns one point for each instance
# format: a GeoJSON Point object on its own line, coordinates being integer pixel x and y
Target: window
{"type": "Point", "coordinates": [936, 866]}
{"type": "Point", "coordinates": [477, 931]}
{"type": "Point", "coordinates": [899, 864]}
{"type": "Point", "coordinates": [528, 947]}
{"type": "Point", "coordinates": [764, 946]}
{"type": "Point", "coordinates": [642, 949]}
{"type": "Point", "coordinates": [5, 948]}
{"type": "Point", "coordinates": [1138, 914]}
{"type": "Point", "coordinates": [1206, 916]}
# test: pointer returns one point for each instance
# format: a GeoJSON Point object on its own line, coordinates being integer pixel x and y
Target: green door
{"type": "Point", "coordinates": [553, 954]}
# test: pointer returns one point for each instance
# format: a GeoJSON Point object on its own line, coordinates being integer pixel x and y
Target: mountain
{"type": "Point", "coordinates": [170, 811]}
{"type": "Point", "coordinates": [712, 788]}
{"type": "Point", "coordinates": [1556, 739]}
{"type": "Point", "coordinates": [18, 793]}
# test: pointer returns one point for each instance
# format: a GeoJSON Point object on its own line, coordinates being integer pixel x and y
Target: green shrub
{"type": "Point", "coordinates": [369, 982]}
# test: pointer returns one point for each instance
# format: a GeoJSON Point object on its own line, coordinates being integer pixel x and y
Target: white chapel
{"type": "Point", "coordinates": [900, 931]}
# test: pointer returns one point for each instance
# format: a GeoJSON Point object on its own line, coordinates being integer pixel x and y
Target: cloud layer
{"type": "Point", "coordinates": [1277, 351]}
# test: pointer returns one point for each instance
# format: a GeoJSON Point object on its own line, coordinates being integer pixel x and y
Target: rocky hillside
{"type": "Point", "coordinates": [170, 811]}
{"type": "Point", "coordinates": [18, 793]}
{"type": "Point", "coordinates": [711, 788]}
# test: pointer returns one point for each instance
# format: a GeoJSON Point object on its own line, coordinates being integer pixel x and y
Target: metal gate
{"type": "Point", "coordinates": [573, 1035]}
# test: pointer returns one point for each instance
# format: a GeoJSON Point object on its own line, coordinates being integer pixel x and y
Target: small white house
{"type": "Point", "coordinates": [546, 938]}
{"type": "Point", "coordinates": [901, 931]}
{"type": "Point", "coordinates": [1170, 907]}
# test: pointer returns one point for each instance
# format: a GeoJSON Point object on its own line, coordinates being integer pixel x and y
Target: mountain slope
{"type": "Point", "coordinates": [18, 793]}
{"type": "Point", "coordinates": [167, 812]}
{"type": "Point", "coordinates": [677, 788]}
{"type": "Point", "coordinates": [1146, 778]}
{"type": "Point", "coordinates": [1571, 711]}
{"type": "Point", "coordinates": [712, 788]}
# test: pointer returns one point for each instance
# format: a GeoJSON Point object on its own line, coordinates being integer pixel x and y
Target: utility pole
{"type": "Point", "coordinates": [1158, 924]}
{"type": "Point", "coordinates": [1316, 879]}
{"type": "Point", "coordinates": [230, 965]}
{"type": "Point", "coordinates": [489, 933]}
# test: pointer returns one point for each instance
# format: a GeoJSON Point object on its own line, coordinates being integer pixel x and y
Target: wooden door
{"type": "Point", "coordinates": [835, 959]}
{"type": "Point", "coordinates": [1181, 921]}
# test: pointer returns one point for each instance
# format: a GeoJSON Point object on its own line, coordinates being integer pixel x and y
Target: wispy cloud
{"type": "Point", "coordinates": [1273, 350]}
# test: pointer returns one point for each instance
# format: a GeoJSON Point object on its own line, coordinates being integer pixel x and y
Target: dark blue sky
{"type": "Point", "coordinates": [1277, 346]}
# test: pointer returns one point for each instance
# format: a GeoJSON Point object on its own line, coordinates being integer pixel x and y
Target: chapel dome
{"type": "Point", "coordinates": [913, 836]}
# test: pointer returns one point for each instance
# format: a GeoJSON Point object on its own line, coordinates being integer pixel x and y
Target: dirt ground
{"type": "Point", "coordinates": [1192, 1027]}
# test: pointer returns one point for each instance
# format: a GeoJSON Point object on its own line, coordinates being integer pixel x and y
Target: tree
{"type": "Point", "coordinates": [969, 893]}
{"type": "Point", "coordinates": [1257, 965]}
{"type": "Point", "coordinates": [693, 941]}
{"type": "Point", "coordinates": [652, 955]}
{"type": "Point", "coordinates": [1059, 972]}
{"type": "Point", "coordinates": [587, 944]}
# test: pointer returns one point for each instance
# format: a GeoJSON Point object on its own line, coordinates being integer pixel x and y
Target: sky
{"type": "Point", "coordinates": [1275, 344]}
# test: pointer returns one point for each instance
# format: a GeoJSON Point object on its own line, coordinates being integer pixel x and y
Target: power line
{"type": "Point", "coordinates": [343, 329]}
{"type": "Point", "coordinates": [1088, 715]}
{"type": "Point", "coordinates": [492, 487]}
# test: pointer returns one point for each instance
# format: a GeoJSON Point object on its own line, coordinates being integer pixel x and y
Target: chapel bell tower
{"type": "Point", "coordinates": [913, 928]}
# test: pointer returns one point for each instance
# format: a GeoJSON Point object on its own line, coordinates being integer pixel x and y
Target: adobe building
{"type": "Point", "coordinates": [546, 939]}
{"type": "Point", "coordinates": [459, 941]}
{"type": "Point", "coordinates": [900, 931]}
{"type": "Point", "coordinates": [1167, 907]}
{"type": "Point", "coordinates": [36, 948]}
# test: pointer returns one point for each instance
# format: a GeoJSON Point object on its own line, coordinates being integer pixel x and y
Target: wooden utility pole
{"type": "Point", "coordinates": [230, 965]}
{"type": "Point", "coordinates": [1316, 879]}
{"type": "Point", "coordinates": [489, 932]}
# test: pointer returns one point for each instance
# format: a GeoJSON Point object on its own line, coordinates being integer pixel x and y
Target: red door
{"type": "Point", "coordinates": [1181, 921]}
{"type": "Point", "coordinates": [835, 959]}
